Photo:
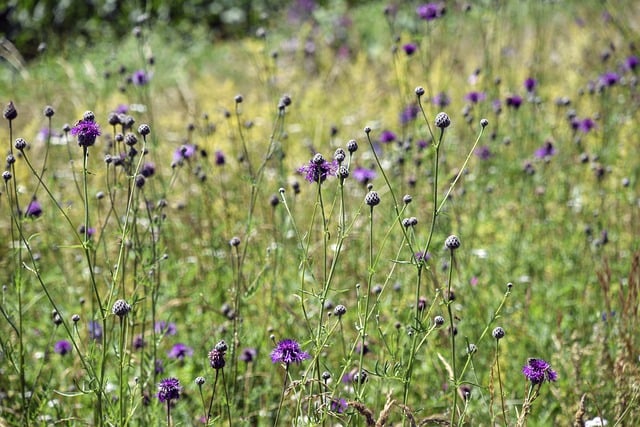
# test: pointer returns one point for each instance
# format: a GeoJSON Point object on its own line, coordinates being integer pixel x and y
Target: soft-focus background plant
{"type": "Point", "coordinates": [208, 230]}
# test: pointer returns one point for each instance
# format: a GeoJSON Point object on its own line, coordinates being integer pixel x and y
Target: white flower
{"type": "Point", "coordinates": [596, 422]}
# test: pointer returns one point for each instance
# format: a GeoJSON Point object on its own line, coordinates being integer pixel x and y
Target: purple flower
{"type": "Point", "coordinates": [530, 84]}
{"type": "Point", "coordinates": [538, 371]}
{"type": "Point", "coordinates": [422, 144]}
{"type": "Point", "coordinates": [547, 150]}
{"type": "Point", "coordinates": [169, 389]}
{"type": "Point", "coordinates": [513, 101]}
{"type": "Point", "coordinates": [363, 175]}
{"type": "Point", "coordinates": [475, 97]}
{"type": "Point", "coordinates": [441, 100]}
{"type": "Point", "coordinates": [185, 152]}
{"type": "Point", "coordinates": [248, 355]}
{"type": "Point", "coordinates": [338, 405]}
{"type": "Point", "coordinates": [34, 210]}
{"type": "Point", "coordinates": [122, 109]}
{"type": "Point", "coordinates": [140, 78]}
{"type": "Point", "coordinates": [410, 48]}
{"type": "Point", "coordinates": [95, 330]}
{"type": "Point", "coordinates": [138, 342]}
{"type": "Point", "coordinates": [430, 11]}
{"type": "Point", "coordinates": [409, 114]}
{"type": "Point", "coordinates": [632, 63]}
{"type": "Point", "coordinates": [216, 359]}
{"type": "Point", "coordinates": [318, 169]}
{"type": "Point", "coordinates": [62, 347]}
{"type": "Point", "coordinates": [586, 125]}
{"type": "Point", "coordinates": [165, 328]}
{"type": "Point", "coordinates": [421, 256]}
{"type": "Point", "coordinates": [220, 159]}
{"type": "Point", "coordinates": [483, 152]}
{"type": "Point", "coordinates": [288, 351]}
{"type": "Point", "coordinates": [609, 79]}
{"type": "Point", "coordinates": [89, 231]}
{"type": "Point", "coordinates": [87, 131]}
{"type": "Point", "coordinates": [387, 136]}
{"type": "Point", "coordinates": [180, 351]}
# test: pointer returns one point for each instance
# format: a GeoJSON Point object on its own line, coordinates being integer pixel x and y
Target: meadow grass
{"type": "Point", "coordinates": [301, 185]}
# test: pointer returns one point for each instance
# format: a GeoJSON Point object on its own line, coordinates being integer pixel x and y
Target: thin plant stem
{"type": "Point", "coordinates": [284, 390]}
{"type": "Point", "coordinates": [452, 334]}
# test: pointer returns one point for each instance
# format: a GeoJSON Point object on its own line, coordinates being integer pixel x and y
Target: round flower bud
{"type": "Point", "coordinates": [406, 223]}
{"type": "Point", "coordinates": [413, 221]}
{"type": "Point", "coordinates": [121, 308]}
{"type": "Point", "coordinates": [200, 381]}
{"type": "Point", "coordinates": [20, 144]}
{"type": "Point", "coordinates": [407, 199]}
{"type": "Point", "coordinates": [10, 112]}
{"type": "Point", "coordinates": [235, 241]}
{"type": "Point", "coordinates": [130, 139]}
{"type": "Point", "coordinates": [75, 318]}
{"type": "Point", "coordinates": [66, 127]}
{"type": "Point", "coordinates": [48, 111]}
{"type": "Point", "coordinates": [352, 146]}
{"type": "Point", "coordinates": [326, 375]}
{"type": "Point", "coordinates": [339, 155]}
{"type": "Point", "coordinates": [442, 120]}
{"type": "Point", "coordinates": [452, 242]}
{"type": "Point", "coordinates": [221, 346]}
{"type": "Point", "coordinates": [484, 123]}
{"type": "Point", "coordinates": [472, 348]}
{"type": "Point", "coordinates": [339, 310]}
{"type": "Point", "coordinates": [144, 129]}
{"type": "Point", "coordinates": [367, 130]}
{"type": "Point", "coordinates": [286, 100]}
{"type": "Point", "coordinates": [317, 159]}
{"type": "Point", "coordinates": [419, 91]}
{"type": "Point", "coordinates": [498, 333]}
{"type": "Point", "coordinates": [113, 119]}
{"type": "Point", "coordinates": [238, 99]}
{"type": "Point", "coordinates": [88, 116]}
{"type": "Point", "coordinates": [438, 321]}
{"type": "Point", "coordinates": [6, 175]}
{"type": "Point", "coordinates": [372, 198]}
{"type": "Point", "coordinates": [343, 172]}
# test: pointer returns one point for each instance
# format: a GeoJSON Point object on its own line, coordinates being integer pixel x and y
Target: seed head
{"type": "Point", "coordinates": [442, 120]}
{"type": "Point", "coordinates": [452, 242]}
{"type": "Point", "coordinates": [372, 198]}
{"type": "Point", "coordinates": [121, 308]}
{"type": "Point", "coordinates": [10, 112]}
{"type": "Point", "coordinates": [498, 333]}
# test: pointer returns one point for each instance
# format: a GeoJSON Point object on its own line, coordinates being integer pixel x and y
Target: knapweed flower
{"type": "Point", "coordinates": [87, 131]}
{"type": "Point", "coordinates": [318, 169]}
{"type": "Point", "coordinates": [95, 330]}
{"type": "Point", "coordinates": [431, 11]}
{"type": "Point", "coordinates": [338, 405]}
{"type": "Point", "coordinates": [165, 328]}
{"type": "Point", "coordinates": [530, 84]}
{"type": "Point", "coordinates": [538, 371]}
{"type": "Point", "coordinates": [169, 389]}
{"type": "Point", "coordinates": [180, 351]}
{"type": "Point", "coordinates": [121, 308]}
{"type": "Point", "coordinates": [220, 159]}
{"type": "Point", "coordinates": [513, 101]}
{"type": "Point", "coordinates": [475, 97]}
{"type": "Point", "coordinates": [441, 100]}
{"type": "Point", "coordinates": [631, 63]}
{"type": "Point", "coordinates": [140, 78]}
{"type": "Point", "coordinates": [483, 152]}
{"type": "Point", "coordinates": [586, 125]}
{"type": "Point", "coordinates": [609, 79]}
{"type": "Point", "coordinates": [62, 347]}
{"type": "Point", "coordinates": [409, 114]}
{"type": "Point", "coordinates": [410, 48]}
{"type": "Point", "coordinates": [184, 152]}
{"type": "Point", "coordinates": [248, 355]}
{"type": "Point", "coordinates": [547, 150]}
{"type": "Point", "coordinates": [288, 351]}
{"type": "Point", "coordinates": [387, 136]}
{"type": "Point", "coordinates": [34, 209]}
{"type": "Point", "coordinates": [363, 175]}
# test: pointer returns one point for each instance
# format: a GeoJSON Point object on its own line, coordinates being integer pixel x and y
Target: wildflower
{"type": "Point", "coordinates": [475, 97]}
{"type": "Point", "coordinates": [498, 333]}
{"type": "Point", "coordinates": [530, 84]}
{"type": "Point", "coordinates": [438, 321]}
{"type": "Point", "coordinates": [609, 78]}
{"type": "Point", "coordinates": [216, 358]}
{"type": "Point", "coordinates": [288, 351]}
{"type": "Point", "coordinates": [121, 308]}
{"type": "Point", "coordinates": [513, 101]}
{"type": "Point", "coordinates": [62, 347]}
{"type": "Point", "coordinates": [586, 125]}
{"type": "Point", "coordinates": [410, 48]}
{"type": "Point", "coordinates": [452, 242]}
{"type": "Point", "coordinates": [338, 405]}
{"type": "Point", "coordinates": [340, 310]}
{"type": "Point", "coordinates": [184, 152]}
{"type": "Point", "coordinates": [632, 62]}
{"type": "Point", "coordinates": [483, 152]}
{"type": "Point", "coordinates": [148, 169]}
{"type": "Point", "coordinates": [140, 78]}
{"type": "Point", "coordinates": [387, 136]}
{"type": "Point", "coordinates": [95, 330]}
{"type": "Point", "coordinates": [138, 342]}
{"type": "Point", "coordinates": [442, 120]}
{"type": "Point", "coordinates": [159, 366]}
{"type": "Point", "coordinates": [34, 209]}
{"type": "Point", "coordinates": [431, 11]}
{"type": "Point", "coordinates": [48, 111]}
{"type": "Point", "coordinates": [496, 105]}
{"type": "Point", "coordinates": [220, 159]}
{"type": "Point", "coordinates": [200, 381]}
{"type": "Point", "coordinates": [87, 131]}
{"type": "Point", "coordinates": [421, 256]}
{"type": "Point", "coordinates": [180, 351]}
{"type": "Point", "coordinates": [165, 328]}
{"type": "Point", "coordinates": [82, 230]}
{"type": "Point", "coordinates": [10, 112]}
{"type": "Point", "coordinates": [372, 198]}
{"type": "Point", "coordinates": [352, 146]}
{"type": "Point", "coordinates": [363, 175]}
{"type": "Point", "coordinates": [538, 371]}
{"type": "Point", "coordinates": [169, 389]}
{"type": "Point", "coordinates": [318, 169]}
{"type": "Point", "coordinates": [248, 355]}
{"type": "Point", "coordinates": [547, 150]}
{"type": "Point", "coordinates": [144, 129]}
{"type": "Point", "coordinates": [441, 100]}
{"type": "Point", "coordinates": [409, 114]}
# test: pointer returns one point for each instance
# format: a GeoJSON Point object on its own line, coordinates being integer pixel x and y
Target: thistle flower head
{"type": "Point", "coordinates": [86, 130]}
{"type": "Point", "coordinates": [538, 371]}
{"type": "Point", "coordinates": [288, 351]}
{"type": "Point", "coordinates": [169, 389]}
{"type": "Point", "coordinates": [318, 169]}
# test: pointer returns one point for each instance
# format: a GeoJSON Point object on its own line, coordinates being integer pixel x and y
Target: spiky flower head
{"type": "Point", "coordinates": [288, 351]}
{"type": "Point", "coordinates": [442, 120]}
{"type": "Point", "coordinates": [169, 389]}
{"type": "Point", "coordinates": [10, 112]}
{"type": "Point", "coordinates": [340, 310]}
{"type": "Point", "coordinates": [121, 308]}
{"type": "Point", "coordinates": [318, 169]}
{"type": "Point", "coordinates": [216, 359]}
{"type": "Point", "coordinates": [538, 371]}
{"type": "Point", "coordinates": [87, 130]}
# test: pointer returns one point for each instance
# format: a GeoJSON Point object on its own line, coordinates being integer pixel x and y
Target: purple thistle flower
{"type": "Point", "coordinates": [180, 351]}
{"type": "Point", "coordinates": [140, 78]}
{"type": "Point", "coordinates": [34, 209]}
{"type": "Point", "coordinates": [338, 405]}
{"type": "Point", "coordinates": [121, 109]}
{"type": "Point", "coordinates": [497, 106]}
{"type": "Point", "coordinates": [220, 159]}
{"type": "Point", "coordinates": [409, 114]}
{"type": "Point", "coordinates": [62, 347]}
{"type": "Point", "coordinates": [421, 256]}
{"type": "Point", "coordinates": [422, 144]}
{"type": "Point", "coordinates": [318, 169]}
{"type": "Point", "coordinates": [165, 328]}
{"type": "Point", "coordinates": [410, 48]}
{"type": "Point", "coordinates": [483, 152]}
{"type": "Point", "coordinates": [530, 84]}
{"type": "Point", "coordinates": [248, 355]}
{"type": "Point", "coordinates": [184, 152]}
{"type": "Point", "coordinates": [430, 11]}
{"type": "Point", "coordinates": [288, 351]}
{"type": "Point", "coordinates": [586, 125]}
{"type": "Point", "coordinates": [631, 63]}
{"type": "Point", "coordinates": [538, 371]}
{"type": "Point", "coordinates": [138, 342]}
{"type": "Point", "coordinates": [169, 389]}
{"type": "Point", "coordinates": [387, 136]}
{"type": "Point", "coordinates": [441, 100]}
{"type": "Point", "coordinates": [95, 330]}
{"type": "Point", "coordinates": [547, 150]}
{"type": "Point", "coordinates": [87, 131]}
{"type": "Point", "coordinates": [216, 359]}
{"type": "Point", "coordinates": [363, 175]}
{"type": "Point", "coordinates": [89, 231]}
{"type": "Point", "coordinates": [513, 101]}
{"type": "Point", "coordinates": [475, 97]}
{"type": "Point", "coordinates": [609, 78]}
